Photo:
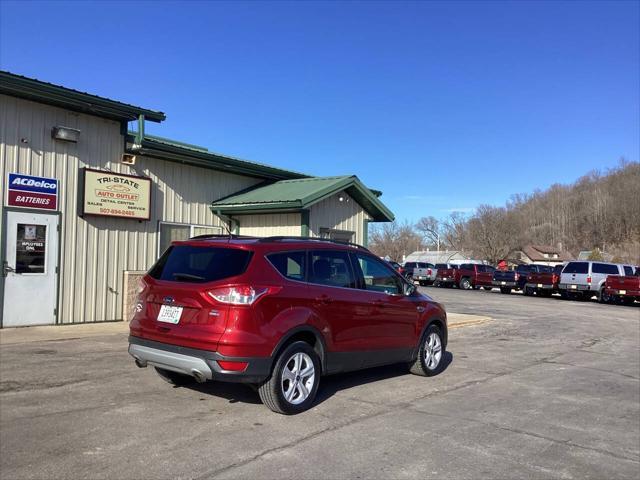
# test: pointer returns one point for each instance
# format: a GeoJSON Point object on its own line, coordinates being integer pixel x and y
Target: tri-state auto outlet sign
{"type": "Point", "coordinates": [116, 195]}
{"type": "Point", "coordinates": [28, 191]}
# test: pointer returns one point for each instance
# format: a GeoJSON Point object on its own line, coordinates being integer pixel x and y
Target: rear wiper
{"type": "Point", "coordinates": [187, 276]}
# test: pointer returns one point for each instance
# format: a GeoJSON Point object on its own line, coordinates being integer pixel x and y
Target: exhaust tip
{"type": "Point", "coordinates": [140, 363]}
{"type": "Point", "coordinates": [197, 374]}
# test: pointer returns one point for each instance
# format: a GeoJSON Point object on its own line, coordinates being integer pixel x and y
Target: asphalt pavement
{"type": "Point", "coordinates": [543, 388]}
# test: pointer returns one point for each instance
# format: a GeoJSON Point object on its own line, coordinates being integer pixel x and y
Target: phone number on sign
{"type": "Point", "coordinates": [115, 211]}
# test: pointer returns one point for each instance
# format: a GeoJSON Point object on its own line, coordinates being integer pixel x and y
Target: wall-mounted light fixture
{"type": "Point", "coordinates": [66, 134]}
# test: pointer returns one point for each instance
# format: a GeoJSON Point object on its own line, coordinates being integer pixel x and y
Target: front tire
{"type": "Point", "coordinates": [294, 380]}
{"type": "Point", "coordinates": [429, 361]}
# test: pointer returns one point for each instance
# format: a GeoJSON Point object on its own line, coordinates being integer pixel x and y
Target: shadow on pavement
{"type": "Point", "coordinates": [329, 386]}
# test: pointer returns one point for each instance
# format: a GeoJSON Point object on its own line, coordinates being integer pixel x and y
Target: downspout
{"type": "Point", "coordinates": [231, 224]}
{"type": "Point", "coordinates": [140, 132]}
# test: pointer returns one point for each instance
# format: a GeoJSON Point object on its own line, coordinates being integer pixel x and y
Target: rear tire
{"type": "Point", "coordinates": [465, 284]}
{"type": "Point", "coordinates": [175, 378]}
{"type": "Point", "coordinates": [505, 290]}
{"type": "Point", "coordinates": [294, 380]}
{"type": "Point", "coordinates": [429, 361]}
{"type": "Point", "coordinates": [528, 291]}
{"type": "Point", "coordinates": [604, 297]}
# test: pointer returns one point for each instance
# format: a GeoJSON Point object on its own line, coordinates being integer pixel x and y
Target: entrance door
{"type": "Point", "coordinates": [30, 259]}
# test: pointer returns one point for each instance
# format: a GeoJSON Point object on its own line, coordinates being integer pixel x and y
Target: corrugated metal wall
{"type": "Point", "coordinates": [97, 250]}
{"type": "Point", "coordinates": [334, 214]}
{"type": "Point", "coordinates": [270, 224]}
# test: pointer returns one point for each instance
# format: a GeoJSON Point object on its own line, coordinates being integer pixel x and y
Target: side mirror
{"type": "Point", "coordinates": [409, 289]}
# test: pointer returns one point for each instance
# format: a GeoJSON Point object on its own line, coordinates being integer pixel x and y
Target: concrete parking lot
{"type": "Point", "coordinates": [545, 389]}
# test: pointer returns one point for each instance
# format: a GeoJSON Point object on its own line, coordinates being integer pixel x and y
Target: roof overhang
{"type": "Point", "coordinates": [59, 96]}
{"type": "Point", "coordinates": [233, 205]}
{"type": "Point", "coordinates": [192, 155]}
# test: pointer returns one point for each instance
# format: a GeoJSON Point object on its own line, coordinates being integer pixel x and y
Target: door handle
{"type": "Point", "coordinates": [324, 300]}
{"type": "Point", "coordinates": [6, 268]}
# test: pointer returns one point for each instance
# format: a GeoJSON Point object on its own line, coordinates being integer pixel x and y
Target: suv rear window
{"type": "Point", "coordinates": [607, 268]}
{"type": "Point", "coordinates": [187, 263]}
{"type": "Point", "coordinates": [558, 269]}
{"type": "Point", "coordinates": [628, 271]}
{"type": "Point", "coordinates": [290, 264]}
{"type": "Point", "coordinates": [576, 267]}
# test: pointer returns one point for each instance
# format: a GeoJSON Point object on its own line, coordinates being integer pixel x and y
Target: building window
{"type": "Point", "coordinates": [341, 235]}
{"type": "Point", "coordinates": [182, 231]}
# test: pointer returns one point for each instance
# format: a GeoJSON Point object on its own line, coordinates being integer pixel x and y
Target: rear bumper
{"type": "Point", "coordinates": [445, 279]}
{"type": "Point", "coordinates": [622, 292]}
{"type": "Point", "coordinates": [502, 283]}
{"type": "Point", "coordinates": [201, 364]}
{"type": "Point", "coordinates": [540, 286]}
{"type": "Point", "coordinates": [570, 287]}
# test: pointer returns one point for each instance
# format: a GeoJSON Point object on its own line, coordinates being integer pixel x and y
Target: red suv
{"type": "Point", "coordinates": [278, 313]}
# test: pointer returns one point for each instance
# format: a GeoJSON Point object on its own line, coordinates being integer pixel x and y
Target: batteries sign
{"type": "Point", "coordinates": [32, 192]}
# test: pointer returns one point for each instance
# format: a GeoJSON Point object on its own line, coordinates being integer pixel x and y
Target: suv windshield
{"type": "Point", "coordinates": [186, 263]}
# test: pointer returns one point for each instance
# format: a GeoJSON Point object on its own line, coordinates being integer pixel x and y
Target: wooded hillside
{"type": "Point", "coordinates": [600, 210]}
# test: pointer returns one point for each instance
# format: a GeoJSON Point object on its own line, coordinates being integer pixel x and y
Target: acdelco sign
{"type": "Point", "coordinates": [32, 192]}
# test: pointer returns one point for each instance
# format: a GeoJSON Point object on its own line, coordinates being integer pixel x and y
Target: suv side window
{"type": "Point", "coordinates": [605, 268]}
{"type": "Point", "coordinates": [290, 264]}
{"type": "Point", "coordinates": [628, 271]}
{"type": "Point", "coordinates": [576, 267]}
{"type": "Point", "coordinates": [376, 276]}
{"type": "Point", "coordinates": [332, 268]}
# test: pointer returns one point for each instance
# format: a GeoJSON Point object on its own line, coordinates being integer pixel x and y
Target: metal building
{"type": "Point", "coordinates": [88, 205]}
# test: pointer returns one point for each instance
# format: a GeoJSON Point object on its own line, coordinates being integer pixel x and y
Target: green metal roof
{"type": "Point", "coordinates": [180, 152]}
{"type": "Point", "coordinates": [300, 194]}
{"type": "Point", "coordinates": [59, 96]}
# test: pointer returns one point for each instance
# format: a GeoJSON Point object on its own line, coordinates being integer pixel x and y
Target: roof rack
{"type": "Point", "coordinates": [311, 239]}
{"type": "Point", "coordinates": [221, 235]}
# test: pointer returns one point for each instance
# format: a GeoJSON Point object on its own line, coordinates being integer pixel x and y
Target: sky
{"type": "Point", "coordinates": [441, 105]}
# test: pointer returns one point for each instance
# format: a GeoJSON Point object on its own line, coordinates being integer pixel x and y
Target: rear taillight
{"type": "Point", "coordinates": [241, 294]}
{"type": "Point", "coordinates": [233, 366]}
{"type": "Point", "coordinates": [516, 276]}
{"type": "Point", "coordinates": [428, 271]}
{"type": "Point", "coordinates": [139, 303]}
{"type": "Point", "coordinates": [589, 279]}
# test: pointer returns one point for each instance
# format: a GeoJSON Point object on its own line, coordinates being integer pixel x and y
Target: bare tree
{"type": "Point", "coordinates": [394, 239]}
{"type": "Point", "coordinates": [430, 229]}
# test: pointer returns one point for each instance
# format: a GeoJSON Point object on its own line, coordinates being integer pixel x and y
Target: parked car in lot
{"type": "Point", "coordinates": [409, 268]}
{"type": "Point", "coordinates": [623, 289]}
{"type": "Point", "coordinates": [582, 280]}
{"type": "Point", "coordinates": [508, 280]}
{"type": "Point", "coordinates": [278, 313]}
{"type": "Point", "coordinates": [466, 276]}
{"type": "Point", "coordinates": [445, 275]}
{"type": "Point", "coordinates": [424, 274]}
{"type": "Point", "coordinates": [543, 283]}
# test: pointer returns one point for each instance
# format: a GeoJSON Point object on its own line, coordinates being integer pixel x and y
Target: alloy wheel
{"type": "Point", "coordinates": [432, 351]}
{"type": "Point", "coordinates": [298, 377]}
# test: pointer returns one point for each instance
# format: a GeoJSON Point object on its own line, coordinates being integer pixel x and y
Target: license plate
{"type": "Point", "coordinates": [503, 283]}
{"type": "Point", "coordinates": [539, 285]}
{"type": "Point", "coordinates": [169, 314]}
{"type": "Point", "coordinates": [623, 292]}
{"type": "Point", "coordinates": [574, 287]}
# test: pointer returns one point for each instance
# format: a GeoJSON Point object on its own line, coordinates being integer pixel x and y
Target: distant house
{"type": "Point", "coordinates": [544, 254]}
{"type": "Point", "coordinates": [586, 255]}
{"type": "Point", "coordinates": [436, 256]}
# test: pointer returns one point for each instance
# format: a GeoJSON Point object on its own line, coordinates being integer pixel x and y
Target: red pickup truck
{"type": "Point", "coordinates": [543, 284]}
{"type": "Point", "coordinates": [624, 289]}
{"type": "Point", "coordinates": [466, 276]}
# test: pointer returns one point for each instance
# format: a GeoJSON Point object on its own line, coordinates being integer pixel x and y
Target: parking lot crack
{"type": "Point", "coordinates": [519, 431]}
{"type": "Point", "coordinates": [291, 444]}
